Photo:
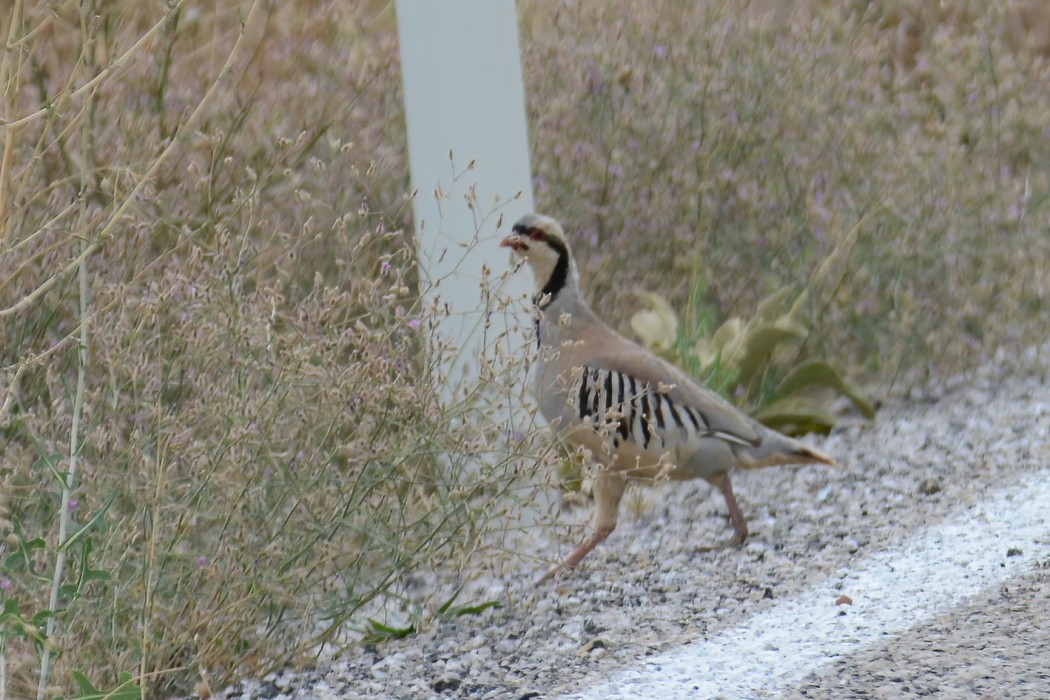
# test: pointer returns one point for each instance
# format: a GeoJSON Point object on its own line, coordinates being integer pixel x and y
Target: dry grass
{"type": "Point", "coordinates": [277, 449]}
{"type": "Point", "coordinates": [741, 141]}
{"type": "Point", "coordinates": [260, 431]}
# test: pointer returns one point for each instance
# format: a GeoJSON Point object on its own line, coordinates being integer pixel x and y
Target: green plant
{"type": "Point", "coordinates": [747, 144]}
{"type": "Point", "coordinates": [376, 632]}
{"type": "Point", "coordinates": [764, 363]}
{"type": "Point", "coordinates": [125, 690]}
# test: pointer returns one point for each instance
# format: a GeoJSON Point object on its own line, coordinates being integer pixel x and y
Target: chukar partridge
{"type": "Point", "coordinates": [638, 415]}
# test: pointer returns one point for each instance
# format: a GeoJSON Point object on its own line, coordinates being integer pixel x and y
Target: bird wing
{"type": "Point", "coordinates": [722, 419]}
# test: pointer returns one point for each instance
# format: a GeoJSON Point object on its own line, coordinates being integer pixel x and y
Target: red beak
{"type": "Point", "coordinates": [514, 242]}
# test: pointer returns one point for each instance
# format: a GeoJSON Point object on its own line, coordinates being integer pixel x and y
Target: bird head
{"type": "Point", "coordinates": [540, 240]}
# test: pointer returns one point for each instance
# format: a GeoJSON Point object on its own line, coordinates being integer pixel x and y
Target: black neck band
{"type": "Point", "coordinates": [559, 276]}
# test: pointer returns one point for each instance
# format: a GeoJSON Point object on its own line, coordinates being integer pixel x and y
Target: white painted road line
{"type": "Point", "coordinates": [892, 592]}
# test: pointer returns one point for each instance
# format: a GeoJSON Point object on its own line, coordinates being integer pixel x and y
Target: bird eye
{"type": "Point", "coordinates": [537, 234]}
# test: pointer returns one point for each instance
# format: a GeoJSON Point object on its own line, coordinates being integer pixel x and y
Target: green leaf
{"type": "Point", "coordinates": [727, 334]}
{"type": "Point", "coordinates": [72, 539]}
{"type": "Point", "coordinates": [759, 345]}
{"type": "Point", "coordinates": [820, 373]}
{"type": "Point", "coordinates": [795, 415]}
{"type": "Point", "coordinates": [447, 611]}
{"type": "Point", "coordinates": [720, 348]}
{"type": "Point", "coordinates": [476, 609]}
{"type": "Point", "coordinates": [126, 690]}
{"type": "Point", "coordinates": [40, 619]}
{"type": "Point", "coordinates": [657, 326]}
{"type": "Point", "coordinates": [570, 471]}
{"type": "Point", "coordinates": [10, 609]}
{"type": "Point", "coordinates": [50, 459]}
{"type": "Point", "coordinates": [85, 574]}
{"type": "Point", "coordinates": [378, 631]}
{"type": "Point", "coordinates": [84, 687]}
{"type": "Point", "coordinates": [769, 308]}
{"type": "Point", "coordinates": [22, 557]}
{"type": "Point", "coordinates": [720, 378]}
{"type": "Point", "coordinates": [448, 603]}
{"type": "Point", "coordinates": [14, 625]}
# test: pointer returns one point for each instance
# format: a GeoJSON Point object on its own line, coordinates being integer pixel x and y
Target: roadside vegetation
{"type": "Point", "coordinates": [221, 441]}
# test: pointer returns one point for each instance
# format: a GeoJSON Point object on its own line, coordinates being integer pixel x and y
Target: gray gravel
{"type": "Point", "coordinates": [652, 585]}
{"type": "Point", "coordinates": [995, 647]}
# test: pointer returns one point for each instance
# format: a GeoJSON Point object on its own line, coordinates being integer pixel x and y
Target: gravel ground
{"type": "Point", "coordinates": [987, 649]}
{"type": "Point", "coordinates": [652, 585]}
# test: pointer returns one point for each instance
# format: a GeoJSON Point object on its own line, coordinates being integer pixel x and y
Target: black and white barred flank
{"type": "Point", "coordinates": [640, 412]}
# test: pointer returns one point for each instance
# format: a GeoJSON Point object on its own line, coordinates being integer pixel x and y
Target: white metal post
{"type": "Point", "coordinates": [461, 68]}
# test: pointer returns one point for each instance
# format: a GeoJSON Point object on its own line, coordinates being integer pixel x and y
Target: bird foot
{"type": "Point", "coordinates": [734, 542]}
{"type": "Point", "coordinates": [549, 575]}
{"type": "Point", "coordinates": [577, 554]}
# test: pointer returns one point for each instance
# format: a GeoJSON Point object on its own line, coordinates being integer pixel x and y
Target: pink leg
{"type": "Point", "coordinates": [721, 481]}
{"type": "Point", "coordinates": [579, 553]}
{"type": "Point", "coordinates": [608, 490]}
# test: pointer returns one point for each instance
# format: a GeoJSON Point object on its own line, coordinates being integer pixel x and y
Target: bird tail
{"type": "Point", "coordinates": [780, 449]}
{"type": "Point", "coordinates": [811, 455]}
